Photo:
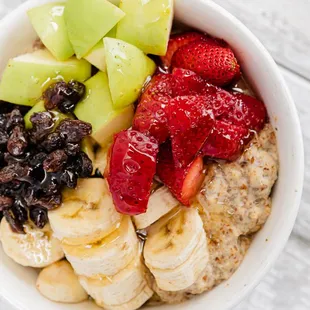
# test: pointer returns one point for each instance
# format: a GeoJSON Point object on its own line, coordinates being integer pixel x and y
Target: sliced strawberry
{"type": "Point", "coordinates": [246, 111]}
{"type": "Point", "coordinates": [184, 183]}
{"type": "Point", "coordinates": [190, 121]}
{"type": "Point", "coordinates": [226, 141]}
{"type": "Point", "coordinates": [150, 117]}
{"type": "Point", "coordinates": [178, 40]}
{"type": "Point", "coordinates": [131, 170]}
{"type": "Point", "coordinates": [215, 61]}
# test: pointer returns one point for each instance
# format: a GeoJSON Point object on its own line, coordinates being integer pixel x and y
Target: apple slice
{"type": "Point", "coordinates": [39, 107]}
{"type": "Point", "coordinates": [128, 68]}
{"type": "Point", "coordinates": [88, 21]}
{"type": "Point", "coordinates": [28, 75]}
{"type": "Point", "coordinates": [49, 23]}
{"type": "Point", "coordinates": [97, 109]}
{"type": "Point", "coordinates": [96, 55]}
{"type": "Point", "coordinates": [147, 24]}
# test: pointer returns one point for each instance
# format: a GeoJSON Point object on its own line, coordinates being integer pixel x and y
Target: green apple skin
{"type": "Point", "coordinates": [128, 68]}
{"type": "Point", "coordinates": [39, 107]}
{"type": "Point", "coordinates": [147, 24]}
{"type": "Point", "coordinates": [88, 21]}
{"type": "Point", "coordinates": [97, 109]}
{"type": "Point", "coordinates": [96, 55]}
{"type": "Point", "coordinates": [28, 75]}
{"type": "Point", "coordinates": [49, 23]}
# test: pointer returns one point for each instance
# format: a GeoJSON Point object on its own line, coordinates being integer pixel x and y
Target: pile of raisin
{"type": "Point", "coordinates": [36, 164]}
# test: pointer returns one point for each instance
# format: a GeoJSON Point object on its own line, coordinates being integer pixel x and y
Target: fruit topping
{"type": "Point", "coordinates": [131, 170]}
{"type": "Point", "coordinates": [226, 141]}
{"type": "Point", "coordinates": [183, 182]}
{"type": "Point", "coordinates": [178, 40]}
{"type": "Point", "coordinates": [190, 121]}
{"type": "Point", "coordinates": [63, 96]}
{"type": "Point", "coordinates": [214, 61]}
{"type": "Point", "coordinates": [246, 111]}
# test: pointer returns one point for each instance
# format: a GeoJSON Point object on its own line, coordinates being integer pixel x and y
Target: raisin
{"type": "Point", "coordinates": [63, 96]}
{"type": "Point", "coordinates": [69, 179]}
{"type": "Point", "coordinates": [43, 124]}
{"type": "Point", "coordinates": [15, 119]}
{"type": "Point", "coordinates": [72, 149]}
{"type": "Point", "coordinates": [16, 226]}
{"type": "Point", "coordinates": [4, 137]}
{"type": "Point", "coordinates": [50, 185]}
{"type": "Point", "coordinates": [55, 161]}
{"type": "Point", "coordinates": [53, 142]}
{"type": "Point", "coordinates": [5, 202]}
{"type": "Point", "coordinates": [12, 172]}
{"type": "Point", "coordinates": [84, 165]}
{"type": "Point", "coordinates": [39, 216]}
{"type": "Point", "coordinates": [17, 142]}
{"type": "Point", "coordinates": [74, 131]}
{"type": "Point", "coordinates": [37, 160]}
{"type": "Point", "coordinates": [48, 202]}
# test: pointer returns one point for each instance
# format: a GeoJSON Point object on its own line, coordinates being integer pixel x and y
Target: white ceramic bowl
{"type": "Point", "coordinates": [18, 283]}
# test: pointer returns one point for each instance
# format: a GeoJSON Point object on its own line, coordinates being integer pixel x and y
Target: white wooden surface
{"type": "Point", "coordinates": [284, 28]}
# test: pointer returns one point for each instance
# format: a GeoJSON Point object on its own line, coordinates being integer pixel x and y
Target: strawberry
{"type": "Point", "coordinates": [226, 141]}
{"type": "Point", "coordinates": [246, 111]}
{"type": "Point", "coordinates": [183, 182]}
{"type": "Point", "coordinates": [178, 40]}
{"type": "Point", "coordinates": [190, 121]}
{"type": "Point", "coordinates": [150, 117]}
{"type": "Point", "coordinates": [215, 62]}
{"type": "Point", "coordinates": [131, 170]}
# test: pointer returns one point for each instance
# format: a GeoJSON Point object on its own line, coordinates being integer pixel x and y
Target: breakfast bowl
{"type": "Point", "coordinates": [17, 36]}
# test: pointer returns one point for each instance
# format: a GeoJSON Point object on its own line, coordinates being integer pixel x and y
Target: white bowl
{"type": "Point", "coordinates": [18, 283]}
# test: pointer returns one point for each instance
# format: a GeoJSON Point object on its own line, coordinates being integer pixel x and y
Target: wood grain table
{"type": "Point", "coordinates": [283, 26]}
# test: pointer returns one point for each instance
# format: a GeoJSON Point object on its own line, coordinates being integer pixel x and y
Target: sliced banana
{"type": "Point", "coordinates": [161, 202]}
{"type": "Point", "coordinates": [172, 239]}
{"type": "Point", "coordinates": [107, 256]}
{"type": "Point", "coordinates": [36, 248]}
{"type": "Point", "coordinates": [86, 215]}
{"type": "Point", "coordinates": [120, 289]}
{"type": "Point", "coordinates": [59, 283]}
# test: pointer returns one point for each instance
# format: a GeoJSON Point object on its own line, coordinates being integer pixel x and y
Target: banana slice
{"type": "Point", "coordinates": [128, 286]}
{"type": "Point", "coordinates": [59, 283]}
{"type": "Point", "coordinates": [161, 202]}
{"type": "Point", "coordinates": [86, 215]}
{"type": "Point", "coordinates": [36, 248]}
{"type": "Point", "coordinates": [106, 257]}
{"type": "Point", "coordinates": [185, 275]}
{"type": "Point", "coordinates": [172, 240]}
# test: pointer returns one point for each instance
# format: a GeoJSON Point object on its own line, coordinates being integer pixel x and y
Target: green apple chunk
{"type": "Point", "coordinates": [147, 24]}
{"type": "Point", "coordinates": [26, 76]}
{"type": "Point", "coordinates": [39, 107]}
{"type": "Point", "coordinates": [88, 21]}
{"type": "Point", "coordinates": [128, 68]}
{"type": "Point", "coordinates": [96, 55]}
{"type": "Point", "coordinates": [97, 109]}
{"type": "Point", "coordinates": [49, 23]}
{"type": "Point", "coordinates": [87, 147]}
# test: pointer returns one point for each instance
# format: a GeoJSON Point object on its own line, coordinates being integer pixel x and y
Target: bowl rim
{"type": "Point", "coordinates": [6, 22]}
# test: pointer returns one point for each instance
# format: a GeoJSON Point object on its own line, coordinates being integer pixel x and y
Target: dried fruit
{"type": "Point", "coordinates": [17, 142]}
{"type": "Point", "coordinates": [43, 124]}
{"type": "Point", "coordinates": [183, 182]}
{"type": "Point", "coordinates": [13, 221]}
{"type": "Point", "coordinates": [74, 131]}
{"type": "Point", "coordinates": [214, 61]}
{"type": "Point", "coordinates": [15, 118]}
{"type": "Point", "coordinates": [39, 216]}
{"type": "Point", "coordinates": [131, 170]}
{"type": "Point", "coordinates": [12, 172]}
{"type": "Point", "coordinates": [5, 202]}
{"type": "Point", "coordinates": [53, 142]}
{"type": "Point", "coordinates": [72, 149]}
{"type": "Point", "coordinates": [84, 166]}
{"type": "Point", "coordinates": [55, 161]}
{"type": "Point", "coordinates": [4, 137]}
{"type": "Point", "coordinates": [190, 121]}
{"type": "Point", "coordinates": [69, 179]}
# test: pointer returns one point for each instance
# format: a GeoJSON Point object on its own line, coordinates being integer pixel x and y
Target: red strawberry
{"type": "Point", "coordinates": [216, 63]}
{"type": "Point", "coordinates": [178, 40]}
{"type": "Point", "coordinates": [246, 111]}
{"type": "Point", "coordinates": [150, 117]}
{"type": "Point", "coordinates": [184, 183]}
{"type": "Point", "coordinates": [190, 121]}
{"type": "Point", "coordinates": [226, 141]}
{"type": "Point", "coordinates": [131, 170]}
